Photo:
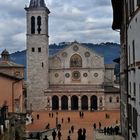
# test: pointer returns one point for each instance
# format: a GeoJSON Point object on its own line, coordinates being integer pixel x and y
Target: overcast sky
{"type": "Point", "coordinates": [81, 20]}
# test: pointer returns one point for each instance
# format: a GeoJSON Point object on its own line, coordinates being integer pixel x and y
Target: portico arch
{"type": "Point", "coordinates": [74, 102]}
{"type": "Point", "coordinates": [84, 101]}
{"type": "Point", "coordinates": [64, 103]}
{"type": "Point", "coordinates": [93, 102]}
{"type": "Point", "coordinates": [55, 103]}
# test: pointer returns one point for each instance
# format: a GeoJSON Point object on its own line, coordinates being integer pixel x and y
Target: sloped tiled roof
{"type": "Point", "coordinates": [9, 64]}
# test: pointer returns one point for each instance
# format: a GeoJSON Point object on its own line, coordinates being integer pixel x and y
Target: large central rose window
{"type": "Point", "coordinates": [76, 75]}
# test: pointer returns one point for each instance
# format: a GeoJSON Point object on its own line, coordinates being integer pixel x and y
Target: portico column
{"type": "Point", "coordinates": [59, 102]}
{"type": "Point", "coordinates": [98, 103]}
{"type": "Point", "coordinates": [89, 103]}
{"type": "Point", "coordinates": [69, 102]}
{"type": "Point", "coordinates": [79, 102]}
{"type": "Point", "coordinates": [50, 103]}
{"type": "Point", "coordinates": [103, 101]}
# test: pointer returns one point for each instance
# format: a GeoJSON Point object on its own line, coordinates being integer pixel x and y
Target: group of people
{"type": "Point", "coordinates": [82, 134]}
{"type": "Point", "coordinates": [54, 134]}
{"type": "Point", "coordinates": [94, 125]}
{"type": "Point", "coordinates": [51, 115]}
{"type": "Point", "coordinates": [111, 130]}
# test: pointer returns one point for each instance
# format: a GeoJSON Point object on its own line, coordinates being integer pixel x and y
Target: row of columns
{"type": "Point", "coordinates": [99, 104]}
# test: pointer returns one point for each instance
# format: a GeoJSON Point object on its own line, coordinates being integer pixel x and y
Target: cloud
{"type": "Point", "coordinates": [84, 21]}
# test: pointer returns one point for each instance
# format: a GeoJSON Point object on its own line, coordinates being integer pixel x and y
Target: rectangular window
{"type": "Point", "coordinates": [130, 88]}
{"type": "Point", "coordinates": [39, 49]}
{"type": "Point", "coordinates": [139, 94]}
{"type": "Point", "coordinates": [134, 89]}
{"type": "Point", "coordinates": [33, 49]}
{"type": "Point", "coordinates": [130, 114]}
{"type": "Point", "coordinates": [133, 45]}
{"type": "Point", "coordinates": [135, 114]}
{"type": "Point", "coordinates": [129, 56]}
{"type": "Point", "coordinates": [42, 64]}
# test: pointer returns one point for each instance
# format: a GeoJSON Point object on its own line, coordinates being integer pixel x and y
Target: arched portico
{"type": "Point", "coordinates": [74, 102]}
{"type": "Point", "coordinates": [55, 103]}
{"type": "Point", "coordinates": [64, 102]}
{"type": "Point", "coordinates": [94, 102]}
{"type": "Point", "coordinates": [84, 101]}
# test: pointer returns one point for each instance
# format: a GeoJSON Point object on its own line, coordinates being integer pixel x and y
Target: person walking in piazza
{"type": "Point", "coordinates": [37, 116]}
{"type": "Point", "coordinates": [69, 132]}
{"type": "Point", "coordinates": [94, 126]}
{"type": "Point", "coordinates": [82, 114]}
{"type": "Point", "coordinates": [59, 135]}
{"type": "Point", "coordinates": [84, 134]}
{"type": "Point", "coordinates": [79, 134]}
{"type": "Point", "coordinates": [68, 138]}
{"type": "Point", "coordinates": [52, 115]}
{"type": "Point", "coordinates": [100, 125]}
{"type": "Point", "coordinates": [62, 120]}
{"type": "Point", "coordinates": [49, 115]}
{"type": "Point", "coordinates": [68, 119]}
{"type": "Point", "coordinates": [32, 120]}
{"type": "Point", "coordinates": [72, 128]}
{"type": "Point", "coordinates": [46, 138]}
{"type": "Point", "coordinates": [54, 135]}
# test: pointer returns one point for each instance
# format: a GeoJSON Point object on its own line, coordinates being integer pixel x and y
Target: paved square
{"type": "Point", "coordinates": [86, 122]}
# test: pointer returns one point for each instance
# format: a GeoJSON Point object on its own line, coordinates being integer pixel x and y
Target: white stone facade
{"type": "Point", "coordinates": [134, 74]}
{"type": "Point", "coordinates": [127, 20]}
{"type": "Point", "coordinates": [72, 79]}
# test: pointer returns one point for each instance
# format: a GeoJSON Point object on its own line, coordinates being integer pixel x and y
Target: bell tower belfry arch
{"type": "Point", "coordinates": [37, 53]}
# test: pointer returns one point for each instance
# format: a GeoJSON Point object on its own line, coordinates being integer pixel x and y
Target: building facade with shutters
{"type": "Point", "coordinates": [75, 78]}
{"type": "Point", "coordinates": [127, 20]}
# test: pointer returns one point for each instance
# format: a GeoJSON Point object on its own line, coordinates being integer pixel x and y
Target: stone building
{"type": "Point", "coordinates": [126, 19]}
{"type": "Point", "coordinates": [75, 78]}
{"type": "Point", "coordinates": [11, 84]}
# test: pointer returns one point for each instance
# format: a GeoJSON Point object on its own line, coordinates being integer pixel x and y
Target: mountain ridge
{"type": "Point", "coordinates": [109, 50]}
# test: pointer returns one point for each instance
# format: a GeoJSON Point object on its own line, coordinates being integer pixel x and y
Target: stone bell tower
{"type": "Point", "coordinates": [37, 53]}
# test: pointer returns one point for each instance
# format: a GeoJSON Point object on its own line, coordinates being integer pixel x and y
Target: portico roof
{"type": "Point", "coordinates": [74, 89]}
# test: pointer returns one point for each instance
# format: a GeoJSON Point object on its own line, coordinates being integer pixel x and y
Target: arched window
{"type": "Point", "coordinates": [110, 99]}
{"type": "Point", "coordinates": [39, 24]}
{"type": "Point", "coordinates": [117, 99]}
{"type": "Point", "coordinates": [32, 25]}
{"type": "Point", "coordinates": [100, 99]}
{"type": "Point", "coordinates": [76, 61]}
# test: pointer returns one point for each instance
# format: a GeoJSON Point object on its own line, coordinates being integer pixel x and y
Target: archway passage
{"type": "Point", "coordinates": [93, 102]}
{"type": "Point", "coordinates": [84, 102]}
{"type": "Point", "coordinates": [74, 103]}
{"type": "Point", "coordinates": [64, 103]}
{"type": "Point", "coordinates": [55, 103]}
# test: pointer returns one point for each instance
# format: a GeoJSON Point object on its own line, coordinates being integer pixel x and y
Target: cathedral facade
{"type": "Point", "coordinates": [75, 78]}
